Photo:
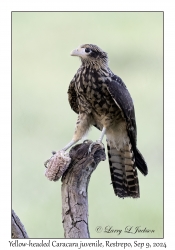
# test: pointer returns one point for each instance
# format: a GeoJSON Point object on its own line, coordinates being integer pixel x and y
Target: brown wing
{"type": "Point", "coordinates": [72, 97]}
{"type": "Point", "coordinates": [123, 100]}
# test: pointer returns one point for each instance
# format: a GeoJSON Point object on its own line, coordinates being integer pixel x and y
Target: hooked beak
{"type": "Point", "coordinates": [78, 52]}
{"type": "Point", "coordinates": [74, 52]}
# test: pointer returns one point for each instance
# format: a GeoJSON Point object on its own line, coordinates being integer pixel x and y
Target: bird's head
{"type": "Point", "coordinates": [91, 55]}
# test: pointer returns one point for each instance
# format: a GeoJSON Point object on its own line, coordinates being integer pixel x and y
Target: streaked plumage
{"type": "Point", "coordinates": [100, 98]}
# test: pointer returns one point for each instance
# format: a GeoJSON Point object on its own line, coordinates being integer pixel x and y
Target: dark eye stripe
{"type": "Point", "coordinates": [93, 54]}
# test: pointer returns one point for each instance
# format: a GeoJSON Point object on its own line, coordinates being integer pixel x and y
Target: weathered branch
{"type": "Point", "coordinates": [18, 230]}
{"type": "Point", "coordinates": [75, 168]}
{"type": "Point", "coordinates": [74, 189]}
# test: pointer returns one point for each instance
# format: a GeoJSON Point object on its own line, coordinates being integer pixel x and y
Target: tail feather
{"type": "Point", "coordinates": [123, 172]}
{"type": "Point", "coordinates": [140, 163]}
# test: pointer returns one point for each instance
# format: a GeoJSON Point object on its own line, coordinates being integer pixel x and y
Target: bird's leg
{"type": "Point", "coordinates": [102, 134]}
{"type": "Point", "coordinates": [82, 125]}
{"type": "Point", "coordinates": [70, 144]}
{"type": "Point", "coordinates": [99, 141]}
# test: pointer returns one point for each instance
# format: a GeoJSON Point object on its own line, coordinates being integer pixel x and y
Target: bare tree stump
{"type": "Point", "coordinates": [18, 230]}
{"type": "Point", "coordinates": [75, 182]}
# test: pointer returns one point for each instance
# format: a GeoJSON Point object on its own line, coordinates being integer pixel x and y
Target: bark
{"type": "Point", "coordinates": [18, 230]}
{"type": "Point", "coordinates": [74, 188]}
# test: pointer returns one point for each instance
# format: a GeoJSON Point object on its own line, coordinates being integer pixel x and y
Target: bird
{"type": "Point", "coordinates": [101, 99]}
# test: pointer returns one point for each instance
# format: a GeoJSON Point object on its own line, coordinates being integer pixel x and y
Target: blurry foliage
{"type": "Point", "coordinates": [42, 119]}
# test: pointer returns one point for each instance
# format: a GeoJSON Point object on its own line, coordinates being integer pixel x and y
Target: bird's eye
{"type": "Point", "coordinates": [87, 50]}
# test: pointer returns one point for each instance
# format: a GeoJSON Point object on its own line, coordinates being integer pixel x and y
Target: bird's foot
{"type": "Point", "coordinates": [87, 141]}
{"type": "Point", "coordinates": [94, 143]}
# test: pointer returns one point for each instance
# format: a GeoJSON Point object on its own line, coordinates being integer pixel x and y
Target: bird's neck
{"type": "Point", "coordinates": [101, 69]}
{"type": "Point", "coordinates": [95, 64]}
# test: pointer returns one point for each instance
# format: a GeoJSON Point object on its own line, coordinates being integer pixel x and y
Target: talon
{"type": "Point", "coordinates": [90, 147]}
{"type": "Point", "coordinates": [87, 141]}
{"type": "Point", "coordinates": [92, 144]}
{"type": "Point", "coordinates": [45, 163]}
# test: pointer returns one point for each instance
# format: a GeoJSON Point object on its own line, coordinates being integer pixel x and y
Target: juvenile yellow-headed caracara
{"type": "Point", "coordinates": [100, 98]}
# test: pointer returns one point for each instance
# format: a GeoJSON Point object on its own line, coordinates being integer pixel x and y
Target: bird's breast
{"type": "Point", "coordinates": [94, 98]}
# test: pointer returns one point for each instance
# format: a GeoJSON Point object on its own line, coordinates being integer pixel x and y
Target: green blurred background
{"type": "Point", "coordinates": [42, 119]}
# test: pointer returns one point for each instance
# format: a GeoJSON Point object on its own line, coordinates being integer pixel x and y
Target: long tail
{"type": "Point", "coordinates": [123, 172]}
{"type": "Point", "coordinates": [140, 162]}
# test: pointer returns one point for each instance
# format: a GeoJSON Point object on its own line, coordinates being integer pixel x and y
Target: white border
{"type": "Point", "coordinates": [5, 97]}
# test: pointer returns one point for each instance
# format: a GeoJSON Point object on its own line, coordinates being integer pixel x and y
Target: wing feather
{"type": "Point", "coordinates": [123, 100]}
{"type": "Point", "coordinates": [72, 97]}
